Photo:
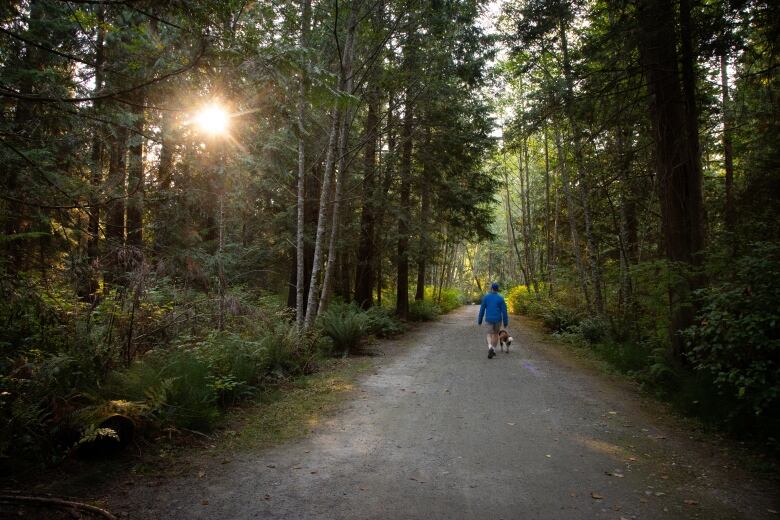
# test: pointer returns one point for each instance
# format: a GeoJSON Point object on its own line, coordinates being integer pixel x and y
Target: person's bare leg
{"type": "Point", "coordinates": [492, 340]}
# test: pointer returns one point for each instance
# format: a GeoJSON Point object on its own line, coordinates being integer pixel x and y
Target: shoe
{"type": "Point", "coordinates": [491, 353]}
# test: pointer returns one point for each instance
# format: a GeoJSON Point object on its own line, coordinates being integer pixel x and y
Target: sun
{"type": "Point", "coordinates": [212, 119]}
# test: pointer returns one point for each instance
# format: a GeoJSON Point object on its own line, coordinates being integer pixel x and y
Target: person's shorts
{"type": "Point", "coordinates": [493, 328]}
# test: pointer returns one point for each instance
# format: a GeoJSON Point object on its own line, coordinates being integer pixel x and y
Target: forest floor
{"type": "Point", "coordinates": [434, 429]}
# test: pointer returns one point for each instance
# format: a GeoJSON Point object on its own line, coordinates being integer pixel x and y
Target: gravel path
{"type": "Point", "coordinates": [438, 431]}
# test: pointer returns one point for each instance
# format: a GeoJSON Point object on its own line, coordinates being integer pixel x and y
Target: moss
{"type": "Point", "coordinates": [293, 410]}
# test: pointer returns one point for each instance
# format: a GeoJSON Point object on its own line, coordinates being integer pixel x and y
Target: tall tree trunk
{"type": "Point", "coordinates": [115, 209]}
{"type": "Point", "coordinates": [688, 69]}
{"type": "Point", "coordinates": [592, 247]}
{"type": "Point", "coordinates": [345, 285]}
{"type": "Point", "coordinates": [554, 249]}
{"type": "Point", "coordinates": [625, 275]}
{"type": "Point", "coordinates": [728, 152]}
{"type": "Point", "coordinates": [679, 174]}
{"type": "Point", "coordinates": [528, 227]}
{"type": "Point", "coordinates": [222, 283]}
{"type": "Point", "coordinates": [364, 277]}
{"type": "Point", "coordinates": [300, 235]}
{"type": "Point", "coordinates": [526, 256]}
{"type": "Point", "coordinates": [167, 152]}
{"type": "Point", "coordinates": [627, 219]}
{"type": "Point", "coordinates": [341, 174]}
{"type": "Point", "coordinates": [443, 268]}
{"type": "Point", "coordinates": [511, 226]}
{"type": "Point", "coordinates": [164, 183]}
{"type": "Point", "coordinates": [547, 234]}
{"type": "Point", "coordinates": [15, 219]}
{"type": "Point", "coordinates": [404, 214]}
{"type": "Point", "coordinates": [135, 177]}
{"type": "Point", "coordinates": [96, 176]}
{"type": "Point", "coordinates": [314, 284]}
{"type": "Point", "coordinates": [423, 251]}
{"type": "Point", "coordinates": [575, 241]}
{"type": "Point", "coordinates": [512, 260]}
{"type": "Point", "coordinates": [591, 252]}
{"type": "Point", "coordinates": [312, 194]}
{"type": "Point", "coordinates": [389, 175]}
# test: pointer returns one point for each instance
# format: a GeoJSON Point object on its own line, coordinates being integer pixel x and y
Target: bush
{"type": "Point", "coordinates": [560, 319]}
{"type": "Point", "coordinates": [519, 300]}
{"type": "Point", "coordinates": [175, 386]}
{"type": "Point", "coordinates": [236, 365]}
{"type": "Point", "coordinates": [286, 351]}
{"type": "Point", "coordinates": [737, 338]}
{"type": "Point", "coordinates": [148, 352]}
{"type": "Point", "coordinates": [448, 300]}
{"type": "Point", "coordinates": [628, 357]}
{"type": "Point", "coordinates": [423, 310]}
{"type": "Point", "coordinates": [537, 307]}
{"type": "Point", "coordinates": [592, 329]}
{"type": "Point", "coordinates": [649, 313]}
{"type": "Point", "coordinates": [380, 323]}
{"type": "Point", "coordinates": [346, 325]}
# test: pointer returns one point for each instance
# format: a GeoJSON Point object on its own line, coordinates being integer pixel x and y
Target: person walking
{"type": "Point", "coordinates": [493, 311]}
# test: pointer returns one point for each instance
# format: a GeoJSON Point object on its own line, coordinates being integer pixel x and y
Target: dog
{"type": "Point", "coordinates": [504, 340]}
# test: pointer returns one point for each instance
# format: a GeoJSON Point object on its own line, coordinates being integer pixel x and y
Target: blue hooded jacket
{"type": "Point", "coordinates": [493, 309]}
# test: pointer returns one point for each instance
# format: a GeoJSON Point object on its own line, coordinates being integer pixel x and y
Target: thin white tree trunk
{"type": "Point", "coordinates": [346, 87]}
{"type": "Point", "coordinates": [314, 285]}
{"type": "Point", "coordinates": [300, 285]}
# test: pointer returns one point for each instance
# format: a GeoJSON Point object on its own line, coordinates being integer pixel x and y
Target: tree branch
{"type": "Point", "coordinates": [12, 93]}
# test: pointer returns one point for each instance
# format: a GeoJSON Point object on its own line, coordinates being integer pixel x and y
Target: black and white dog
{"type": "Point", "coordinates": [504, 340]}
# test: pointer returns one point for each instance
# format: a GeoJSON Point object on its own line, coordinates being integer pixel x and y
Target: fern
{"type": "Point", "coordinates": [157, 395]}
{"type": "Point", "coordinates": [93, 433]}
{"type": "Point", "coordinates": [346, 325]}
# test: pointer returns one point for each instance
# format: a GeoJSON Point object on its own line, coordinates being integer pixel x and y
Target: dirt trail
{"type": "Point", "coordinates": [438, 431]}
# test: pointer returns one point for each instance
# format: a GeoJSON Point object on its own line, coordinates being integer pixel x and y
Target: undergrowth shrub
{"type": "Point", "coordinates": [649, 315]}
{"type": "Point", "coordinates": [380, 323]}
{"type": "Point", "coordinates": [447, 300]}
{"type": "Point", "coordinates": [628, 357]}
{"type": "Point", "coordinates": [346, 325]}
{"type": "Point", "coordinates": [519, 299]}
{"type": "Point", "coordinates": [737, 338]}
{"type": "Point", "coordinates": [593, 329]}
{"type": "Point", "coordinates": [536, 307]}
{"type": "Point", "coordinates": [147, 351]}
{"type": "Point", "coordinates": [423, 310]}
{"type": "Point", "coordinates": [237, 365]}
{"type": "Point", "coordinates": [287, 351]}
{"type": "Point", "coordinates": [175, 387]}
{"type": "Point", "coordinates": [557, 318]}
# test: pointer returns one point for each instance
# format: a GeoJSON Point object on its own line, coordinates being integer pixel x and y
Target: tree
{"type": "Point", "coordinates": [679, 174]}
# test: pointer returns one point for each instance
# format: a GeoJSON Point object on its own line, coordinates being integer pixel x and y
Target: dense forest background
{"type": "Point", "coordinates": [640, 192]}
{"type": "Point", "coordinates": [183, 179]}
{"type": "Point", "coordinates": [200, 199]}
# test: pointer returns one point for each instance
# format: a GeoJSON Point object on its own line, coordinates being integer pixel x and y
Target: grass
{"type": "Point", "coordinates": [293, 410]}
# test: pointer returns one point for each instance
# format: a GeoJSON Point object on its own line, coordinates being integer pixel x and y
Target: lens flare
{"type": "Point", "coordinates": [212, 119]}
